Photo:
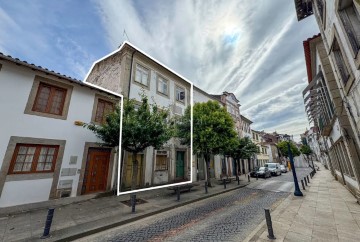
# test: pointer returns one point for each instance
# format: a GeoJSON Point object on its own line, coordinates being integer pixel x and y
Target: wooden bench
{"type": "Point", "coordinates": [186, 187]}
{"type": "Point", "coordinates": [228, 179]}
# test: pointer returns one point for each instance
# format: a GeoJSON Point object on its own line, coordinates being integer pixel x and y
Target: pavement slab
{"type": "Point", "coordinates": [328, 212]}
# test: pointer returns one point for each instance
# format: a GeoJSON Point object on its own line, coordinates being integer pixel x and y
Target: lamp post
{"type": "Point", "coordinates": [297, 192]}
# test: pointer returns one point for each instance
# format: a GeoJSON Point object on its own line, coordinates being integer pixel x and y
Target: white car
{"type": "Point", "coordinates": [274, 168]}
{"type": "Point", "coordinates": [283, 168]}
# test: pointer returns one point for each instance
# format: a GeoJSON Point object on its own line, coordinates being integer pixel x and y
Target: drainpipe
{"type": "Point", "coordinates": [131, 71]}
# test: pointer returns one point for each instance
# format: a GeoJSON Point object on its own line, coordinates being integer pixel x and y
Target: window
{"type": "Point", "coordinates": [162, 86]}
{"type": "Point", "coordinates": [180, 94]}
{"type": "Point", "coordinates": [320, 7]}
{"type": "Point", "coordinates": [30, 158]}
{"type": "Point", "coordinates": [49, 99]}
{"type": "Point", "coordinates": [340, 63]}
{"type": "Point", "coordinates": [103, 109]}
{"type": "Point", "coordinates": [350, 19]}
{"type": "Point", "coordinates": [161, 160]}
{"type": "Point", "coordinates": [142, 75]}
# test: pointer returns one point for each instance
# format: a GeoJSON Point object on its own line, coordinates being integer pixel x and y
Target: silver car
{"type": "Point", "coordinates": [283, 169]}
{"type": "Point", "coordinates": [274, 168]}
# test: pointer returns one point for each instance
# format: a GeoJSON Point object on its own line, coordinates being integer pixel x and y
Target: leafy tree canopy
{"type": "Point", "coordinates": [143, 125]}
{"type": "Point", "coordinates": [283, 147]}
{"type": "Point", "coordinates": [243, 148]}
{"type": "Point", "coordinates": [306, 150]}
{"type": "Point", "coordinates": [213, 130]}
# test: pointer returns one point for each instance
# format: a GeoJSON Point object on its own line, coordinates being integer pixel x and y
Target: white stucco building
{"type": "Point", "coordinates": [45, 153]}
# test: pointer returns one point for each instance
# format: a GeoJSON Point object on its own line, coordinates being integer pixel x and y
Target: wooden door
{"type": "Point", "coordinates": [96, 172]}
{"type": "Point", "coordinates": [180, 163]}
{"type": "Point", "coordinates": [129, 170]}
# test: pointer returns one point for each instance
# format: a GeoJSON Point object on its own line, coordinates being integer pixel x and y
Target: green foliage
{"type": "Point", "coordinates": [305, 149]}
{"type": "Point", "coordinates": [283, 147]}
{"type": "Point", "coordinates": [142, 126]}
{"type": "Point", "coordinates": [244, 148]}
{"type": "Point", "coordinates": [213, 130]}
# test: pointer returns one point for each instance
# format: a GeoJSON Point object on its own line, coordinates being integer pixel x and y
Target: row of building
{"type": "Point", "coordinates": [46, 153]}
{"type": "Point", "coordinates": [332, 96]}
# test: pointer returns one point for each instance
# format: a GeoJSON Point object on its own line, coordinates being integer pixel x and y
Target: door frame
{"type": "Point", "coordinates": [110, 172]}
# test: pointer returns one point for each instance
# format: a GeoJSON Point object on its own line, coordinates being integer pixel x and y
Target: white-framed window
{"type": "Point", "coordinates": [180, 94]}
{"type": "Point", "coordinates": [162, 85]}
{"type": "Point", "coordinates": [142, 75]}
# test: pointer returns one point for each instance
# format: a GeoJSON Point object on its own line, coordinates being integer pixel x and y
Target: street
{"type": "Point", "coordinates": [227, 217]}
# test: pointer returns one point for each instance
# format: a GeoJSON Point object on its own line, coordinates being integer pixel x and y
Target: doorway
{"type": "Point", "coordinates": [96, 171]}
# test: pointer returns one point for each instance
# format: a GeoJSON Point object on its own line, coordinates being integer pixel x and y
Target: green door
{"type": "Point", "coordinates": [180, 161]}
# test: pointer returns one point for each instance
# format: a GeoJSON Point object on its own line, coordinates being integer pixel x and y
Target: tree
{"type": "Point", "coordinates": [306, 151]}
{"type": "Point", "coordinates": [142, 127]}
{"type": "Point", "coordinates": [244, 148]}
{"type": "Point", "coordinates": [213, 130]}
{"type": "Point", "coordinates": [283, 147]}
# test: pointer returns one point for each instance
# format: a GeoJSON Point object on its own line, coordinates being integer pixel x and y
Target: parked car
{"type": "Point", "coordinates": [263, 172]}
{"type": "Point", "coordinates": [274, 168]}
{"type": "Point", "coordinates": [253, 172]}
{"type": "Point", "coordinates": [283, 168]}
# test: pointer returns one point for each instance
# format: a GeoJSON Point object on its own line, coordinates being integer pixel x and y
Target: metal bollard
{"type": "Point", "coordinates": [224, 181]}
{"type": "Point", "coordinates": [302, 184]}
{"type": "Point", "coordinates": [248, 178]}
{"type": "Point", "coordinates": [308, 179]}
{"type": "Point", "coordinates": [269, 224]}
{"type": "Point", "coordinates": [133, 202]}
{"type": "Point", "coordinates": [238, 180]}
{"type": "Point", "coordinates": [178, 194]}
{"type": "Point", "coordinates": [206, 188]}
{"type": "Point", "coordinates": [256, 176]}
{"type": "Point", "coordinates": [48, 222]}
{"type": "Point", "coordinates": [305, 181]}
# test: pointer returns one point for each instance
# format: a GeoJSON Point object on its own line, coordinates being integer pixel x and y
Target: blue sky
{"type": "Point", "coordinates": [251, 48]}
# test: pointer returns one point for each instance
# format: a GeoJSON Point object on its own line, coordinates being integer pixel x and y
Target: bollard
{"type": "Point", "coordinates": [305, 181]}
{"type": "Point", "coordinates": [48, 222]}
{"type": "Point", "coordinates": [224, 181]}
{"type": "Point", "coordinates": [308, 179]}
{"type": "Point", "coordinates": [178, 194]}
{"type": "Point", "coordinates": [238, 180]}
{"type": "Point", "coordinates": [133, 202]}
{"type": "Point", "coordinates": [248, 178]}
{"type": "Point", "coordinates": [206, 188]}
{"type": "Point", "coordinates": [256, 176]}
{"type": "Point", "coordinates": [302, 184]}
{"type": "Point", "coordinates": [269, 224]}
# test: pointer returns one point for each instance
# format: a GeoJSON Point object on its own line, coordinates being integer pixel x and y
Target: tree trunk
{"type": "Point", "coordinates": [237, 168]}
{"type": "Point", "coordinates": [134, 171]}
{"type": "Point", "coordinates": [116, 175]}
{"type": "Point", "coordinates": [207, 162]}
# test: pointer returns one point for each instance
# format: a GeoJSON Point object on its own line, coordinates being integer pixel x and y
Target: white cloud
{"type": "Point", "coordinates": [251, 48]}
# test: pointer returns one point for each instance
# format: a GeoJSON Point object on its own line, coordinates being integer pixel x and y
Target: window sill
{"type": "Point", "coordinates": [29, 176]}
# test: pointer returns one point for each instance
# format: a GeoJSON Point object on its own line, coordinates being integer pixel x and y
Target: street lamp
{"type": "Point", "coordinates": [297, 192]}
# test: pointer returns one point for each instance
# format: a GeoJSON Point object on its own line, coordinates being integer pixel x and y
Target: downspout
{"type": "Point", "coordinates": [131, 71]}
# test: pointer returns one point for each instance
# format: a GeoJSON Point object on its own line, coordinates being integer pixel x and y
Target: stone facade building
{"type": "Point", "coordinates": [333, 64]}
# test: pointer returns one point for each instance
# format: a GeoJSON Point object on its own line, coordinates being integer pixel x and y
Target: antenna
{"type": "Point", "coordinates": [126, 35]}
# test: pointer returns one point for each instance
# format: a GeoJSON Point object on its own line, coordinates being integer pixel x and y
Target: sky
{"type": "Point", "coordinates": [251, 48]}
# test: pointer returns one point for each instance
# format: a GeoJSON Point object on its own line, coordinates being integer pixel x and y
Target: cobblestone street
{"type": "Point", "coordinates": [228, 217]}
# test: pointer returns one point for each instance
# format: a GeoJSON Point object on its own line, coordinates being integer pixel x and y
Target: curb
{"type": "Point", "coordinates": [86, 232]}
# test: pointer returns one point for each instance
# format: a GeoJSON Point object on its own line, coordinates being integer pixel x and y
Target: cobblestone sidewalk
{"type": "Point", "coordinates": [326, 212]}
